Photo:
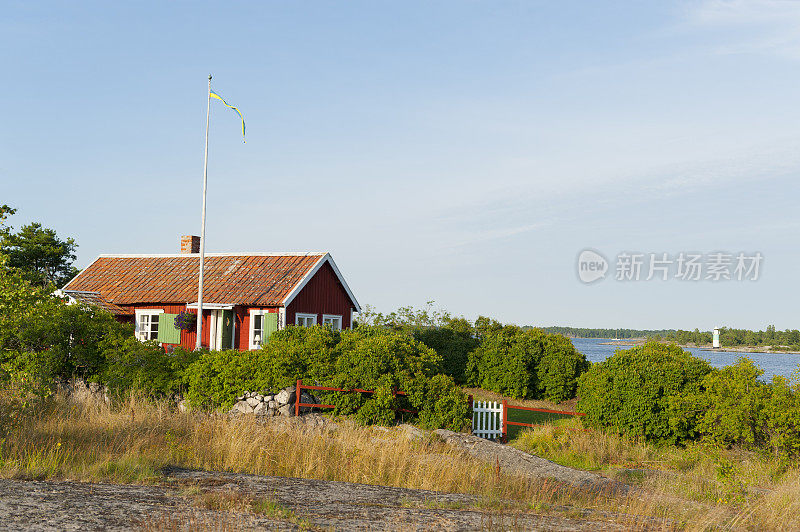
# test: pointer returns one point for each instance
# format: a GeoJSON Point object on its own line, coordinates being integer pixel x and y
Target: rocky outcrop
{"type": "Point", "coordinates": [273, 404]}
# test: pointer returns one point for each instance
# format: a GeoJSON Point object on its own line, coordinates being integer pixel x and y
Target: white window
{"type": "Point", "coordinates": [256, 327]}
{"type": "Point", "coordinates": [147, 324]}
{"type": "Point", "coordinates": [305, 320]}
{"type": "Point", "coordinates": [334, 321]}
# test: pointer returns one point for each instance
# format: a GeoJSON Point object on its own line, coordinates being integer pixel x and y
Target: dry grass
{"type": "Point", "coordinates": [738, 489]}
{"type": "Point", "coordinates": [135, 440]}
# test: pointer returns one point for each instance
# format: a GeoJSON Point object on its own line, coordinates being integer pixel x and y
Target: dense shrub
{"type": "Point", "coordinates": [144, 366]}
{"type": "Point", "coordinates": [632, 391]}
{"type": "Point", "coordinates": [307, 353]}
{"type": "Point", "coordinates": [525, 363]}
{"type": "Point", "coordinates": [216, 378]}
{"type": "Point", "coordinates": [371, 358]}
{"type": "Point", "coordinates": [453, 342]}
{"type": "Point", "coordinates": [559, 368]}
{"type": "Point", "coordinates": [735, 408]}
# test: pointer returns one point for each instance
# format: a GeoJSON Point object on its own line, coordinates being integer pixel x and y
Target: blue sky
{"type": "Point", "coordinates": [463, 152]}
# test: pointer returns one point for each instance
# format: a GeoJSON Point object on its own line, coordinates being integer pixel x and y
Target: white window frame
{"type": "Point", "coordinates": [305, 317]}
{"type": "Point", "coordinates": [253, 313]}
{"type": "Point", "coordinates": [140, 334]}
{"type": "Point", "coordinates": [335, 319]}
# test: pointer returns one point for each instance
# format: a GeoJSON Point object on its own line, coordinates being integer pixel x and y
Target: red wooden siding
{"type": "Point", "coordinates": [188, 338]}
{"type": "Point", "coordinates": [323, 294]}
{"type": "Point", "coordinates": [243, 326]}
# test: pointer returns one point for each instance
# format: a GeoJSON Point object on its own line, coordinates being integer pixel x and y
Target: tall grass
{"type": "Point", "coordinates": [136, 439]}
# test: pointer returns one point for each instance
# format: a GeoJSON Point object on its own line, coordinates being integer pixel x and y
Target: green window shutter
{"type": "Point", "coordinates": [167, 332]}
{"type": "Point", "coordinates": [270, 325]}
{"type": "Point", "coordinates": [227, 329]}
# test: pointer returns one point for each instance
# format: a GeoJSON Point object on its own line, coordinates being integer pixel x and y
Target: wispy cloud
{"type": "Point", "coordinates": [758, 26]}
{"type": "Point", "coordinates": [468, 238]}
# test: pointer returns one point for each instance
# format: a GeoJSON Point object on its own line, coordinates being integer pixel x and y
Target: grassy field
{"type": "Point", "coordinates": [132, 441]}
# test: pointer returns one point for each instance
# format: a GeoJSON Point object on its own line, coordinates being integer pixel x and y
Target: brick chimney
{"type": "Point", "coordinates": [190, 244]}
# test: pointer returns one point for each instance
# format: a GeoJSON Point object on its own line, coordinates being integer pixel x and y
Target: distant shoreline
{"type": "Point", "coordinates": [633, 342]}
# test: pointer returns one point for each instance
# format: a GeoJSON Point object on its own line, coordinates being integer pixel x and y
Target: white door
{"type": "Point", "coordinates": [215, 330]}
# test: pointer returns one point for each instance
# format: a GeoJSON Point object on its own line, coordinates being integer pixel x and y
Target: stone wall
{"type": "Point", "coordinates": [272, 404]}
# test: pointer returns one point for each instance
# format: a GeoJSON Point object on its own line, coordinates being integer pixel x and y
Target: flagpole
{"type": "Point", "coordinates": [203, 230]}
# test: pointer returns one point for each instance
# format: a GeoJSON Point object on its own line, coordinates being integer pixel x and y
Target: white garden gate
{"type": "Point", "coordinates": [487, 419]}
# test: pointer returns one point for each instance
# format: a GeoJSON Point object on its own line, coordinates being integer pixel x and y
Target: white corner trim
{"type": "Point", "coordinates": [308, 276]}
{"type": "Point", "coordinates": [281, 318]}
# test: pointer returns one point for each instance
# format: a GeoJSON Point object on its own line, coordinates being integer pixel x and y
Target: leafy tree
{"type": "Point", "coordinates": [22, 304]}
{"type": "Point", "coordinates": [39, 254]}
{"type": "Point", "coordinates": [5, 212]}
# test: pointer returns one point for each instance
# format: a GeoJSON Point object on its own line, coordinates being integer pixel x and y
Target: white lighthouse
{"type": "Point", "coordinates": [715, 340]}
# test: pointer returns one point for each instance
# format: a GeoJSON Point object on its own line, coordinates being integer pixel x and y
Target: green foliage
{"type": "Point", "coordinates": [442, 405]}
{"type": "Point", "coordinates": [506, 362]}
{"type": "Point", "coordinates": [216, 378]}
{"type": "Point", "coordinates": [781, 417]}
{"type": "Point", "coordinates": [453, 342]}
{"type": "Point", "coordinates": [307, 353]}
{"type": "Point", "coordinates": [632, 391]}
{"type": "Point", "coordinates": [559, 368]}
{"type": "Point", "coordinates": [735, 408]}
{"type": "Point", "coordinates": [731, 402]}
{"type": "Point", "coordinates": [144, 366]}
{"type": "Point", "coordinates": [369, 358]}
{"type": "Point", "coordinates": [39, 253]}
{"type": "Point", "coordinates": [524, 363]}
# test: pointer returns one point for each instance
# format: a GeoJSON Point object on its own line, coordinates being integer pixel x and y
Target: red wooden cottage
{"type": "Point", "coordinates": [246, 296]}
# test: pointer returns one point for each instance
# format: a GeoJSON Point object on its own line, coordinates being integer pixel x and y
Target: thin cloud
{"type": "Point", "coordinates": [759, 26]}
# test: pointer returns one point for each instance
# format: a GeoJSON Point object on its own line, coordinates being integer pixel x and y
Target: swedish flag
{"type": "Point", "coordinates": [212, 94]}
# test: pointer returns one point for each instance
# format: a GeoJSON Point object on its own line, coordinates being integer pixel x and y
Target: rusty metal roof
{"type": "Point", "coordinates": [262, 279]}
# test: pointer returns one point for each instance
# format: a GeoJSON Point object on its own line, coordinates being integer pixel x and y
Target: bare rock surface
{"type": "Point", "coordinates": [67, 505]}
{"type": "Point", "coordinates": [516, 462]}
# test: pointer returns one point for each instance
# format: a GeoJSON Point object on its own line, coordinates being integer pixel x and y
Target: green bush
{"type": "Point", "coordinates": [633, 391]}
{"type": "Point", "coordinates": [525, 363]}
{"type": "Point", "coordinates": [307, 353]}
{"type": "Point", "coordinates": [371, 358]}
{"type": "Point", "coordinates": [453, 342]}
{"type": "Point", "coordinates": [735, 408]}
{"type": "Point", "coordinates": [216, 378]}
{"type": "Point", "coordinates": [144, 366]}
{"type": "Point", "coordinates": [559, 368]}
{"type": "Point", "coordinates": [781, 417]}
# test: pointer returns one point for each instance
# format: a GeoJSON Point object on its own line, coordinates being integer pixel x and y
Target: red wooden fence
{"type": "Point", "coordinates": [506, 422]}
{"type": "Point", "coordinates": [301, 386]}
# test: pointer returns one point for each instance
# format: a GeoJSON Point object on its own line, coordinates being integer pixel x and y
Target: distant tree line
{"type": "Point", "coordinates": [788, 339]}
{"type": "Point", "coordinates": [728, 337]}
{"type": "Point", "coordinates": [580, 332]}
